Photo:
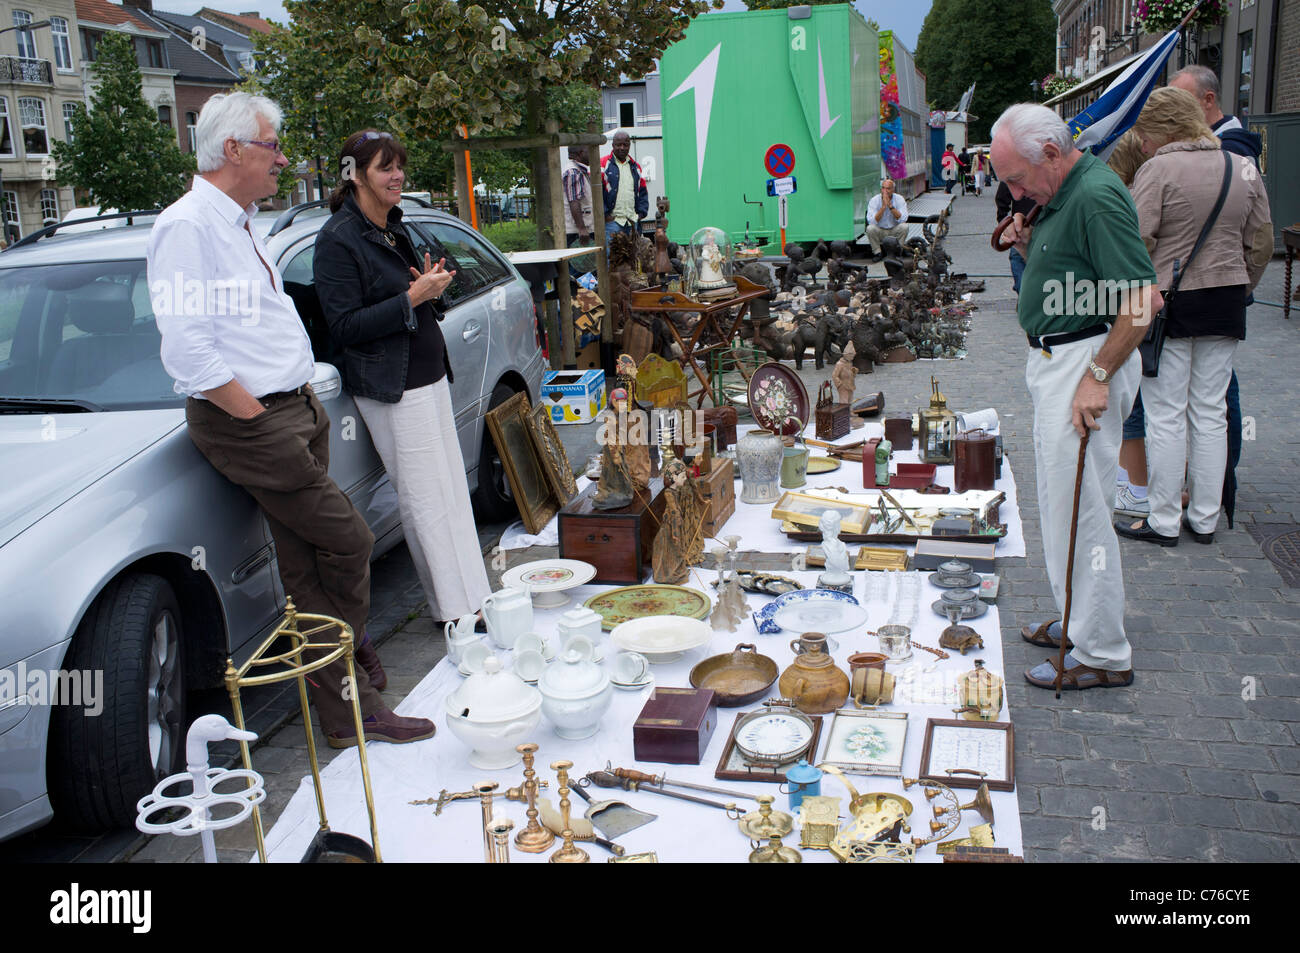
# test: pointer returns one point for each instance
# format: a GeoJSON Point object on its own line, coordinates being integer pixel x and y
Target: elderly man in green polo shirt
{"type": "Point", "coordinates": [1086, 300]}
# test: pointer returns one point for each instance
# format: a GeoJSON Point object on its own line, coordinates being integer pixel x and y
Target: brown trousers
{"type": "Point", "coordinates": [281, 457]}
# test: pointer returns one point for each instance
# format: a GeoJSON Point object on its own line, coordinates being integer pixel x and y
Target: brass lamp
{"type": "Point", "coordinates": [938, 428]}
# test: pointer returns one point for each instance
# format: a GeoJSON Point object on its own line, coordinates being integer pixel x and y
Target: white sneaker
{"type": "Point", "coordinates": [1129, 505]}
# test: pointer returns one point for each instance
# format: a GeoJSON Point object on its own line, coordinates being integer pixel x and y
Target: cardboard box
{"type": "Point", "coordinates": [573, 397]}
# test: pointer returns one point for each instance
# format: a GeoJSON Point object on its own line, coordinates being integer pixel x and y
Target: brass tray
{"type": "Point", "coordinates": [823, 464]}
{"type": "Point", "coordinates": [736, 678]}
{"type": "Point", "coordinates": [617, 606]}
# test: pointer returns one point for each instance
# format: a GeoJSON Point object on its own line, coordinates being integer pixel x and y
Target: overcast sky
{"type": "Point", "coordinates": [904, 19]}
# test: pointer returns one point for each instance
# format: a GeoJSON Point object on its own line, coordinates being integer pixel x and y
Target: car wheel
{"type": "Point", "coordinates": [103, 764]}
{"type": "Point", "coordinates": [493, 498]}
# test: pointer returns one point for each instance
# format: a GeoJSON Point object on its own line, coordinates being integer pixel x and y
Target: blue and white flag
{"type": "Point", "coordinates": [1100, 125]}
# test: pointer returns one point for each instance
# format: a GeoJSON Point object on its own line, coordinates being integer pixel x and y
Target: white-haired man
{"type": "Point", "coordinates": [245, 362]}
{"type": "Point", "coordinates": [1085, 301]}
{"type": "Point", "coordinates": [886, 216]}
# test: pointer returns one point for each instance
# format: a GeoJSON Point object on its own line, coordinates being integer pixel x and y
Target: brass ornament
{"type": "Point", "coordinates": [500, 829]}
{"type": "Point", "coordinates": [980, 692]}
{"type": "Point", "coordinates": [534, 838]}
{"type": "Point", "coordinates": [948, 814]}
{"type": "Point", "coordinates": [568, 853]}
{"type": "Point", "coordinates": [819, 820]}
{"type": "Point", "coordinates": [484, 791]}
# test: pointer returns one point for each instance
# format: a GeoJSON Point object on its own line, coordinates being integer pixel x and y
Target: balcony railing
{"type": "Point", "coordinates": [15, 69]}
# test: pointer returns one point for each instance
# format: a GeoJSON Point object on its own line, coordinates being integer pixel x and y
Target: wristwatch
{"type": "Point", "coordinates": [1099, 372]}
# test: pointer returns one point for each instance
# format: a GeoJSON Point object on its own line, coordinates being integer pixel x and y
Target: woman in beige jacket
{"type": "Point", "coordinates": [1175, 192]}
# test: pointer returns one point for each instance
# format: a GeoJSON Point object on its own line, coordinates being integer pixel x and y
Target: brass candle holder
{"type": "Point", "coordinates": [568, 853]}
{"type": "Point", "coordinates": [500, 829]}
{"type": "Point", "coordinates": [534, 838]}
{"type": "Point", "coordinates": [484, 791]}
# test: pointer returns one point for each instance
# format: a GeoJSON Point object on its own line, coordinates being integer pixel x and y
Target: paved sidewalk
{"type": "Point", "coordinates": [1198, 760]}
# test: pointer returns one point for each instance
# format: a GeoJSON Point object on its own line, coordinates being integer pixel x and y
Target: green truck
{"type": "Point", "coordinates": [737, 84]}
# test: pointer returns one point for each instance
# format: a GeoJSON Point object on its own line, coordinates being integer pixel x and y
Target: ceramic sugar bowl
{"type": "Point", "coordinates": [491, 712]}
{"type": "Point", "coordinates": [575, 695]}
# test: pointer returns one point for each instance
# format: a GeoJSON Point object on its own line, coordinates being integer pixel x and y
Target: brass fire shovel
{"type": "Point", "coordinates": [611, 818]}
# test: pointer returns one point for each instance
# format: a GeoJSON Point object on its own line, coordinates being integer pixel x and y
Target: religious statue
{"type": "Point", "coordinates": [836, 575]}
{"type": "Point", "coordinates": [842, 377]}
{"type": "Point", "coordinates": [615, 489]}
{"type": "Point", "coordinates": [678, 544]}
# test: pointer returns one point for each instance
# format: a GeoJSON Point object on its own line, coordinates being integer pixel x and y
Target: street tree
{"type": "Point", "coordinates": [1000, 45]}
{"type": "Point", "coordinates": [121, 154]}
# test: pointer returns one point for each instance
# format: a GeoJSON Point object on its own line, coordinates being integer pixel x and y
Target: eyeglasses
{"type": "Point", "coordinates": [371, 136]}
{"type": "Point", "coordinates": [273, 145]}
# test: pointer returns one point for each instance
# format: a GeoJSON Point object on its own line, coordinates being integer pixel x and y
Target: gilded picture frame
{"type": "Point", "coordinates": [805, 510]}
{"type": "Point", "coordinates": [550, 448]}
{"type": "Point", "coordinates": [508, 424]}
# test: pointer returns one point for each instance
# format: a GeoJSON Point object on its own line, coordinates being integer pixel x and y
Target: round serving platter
{"type": "Point", "coordinates": [778, 400]}
{"type": "Point", "coordinates": [617, 606]}
{"type": "Point", "coordinates": [547, 579]}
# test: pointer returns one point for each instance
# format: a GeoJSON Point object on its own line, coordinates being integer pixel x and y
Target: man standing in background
{"type": "Point", "coordinates": [627, 200]}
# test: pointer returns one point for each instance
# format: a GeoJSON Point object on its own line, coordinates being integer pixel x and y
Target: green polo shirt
{"type": "Point", "coordinates": [1084, 251]}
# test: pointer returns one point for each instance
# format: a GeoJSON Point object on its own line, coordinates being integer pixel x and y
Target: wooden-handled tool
{"type": "Point", "coordinates": [996, 240]}
{"type": "Point", "coordinates": [662, 780]}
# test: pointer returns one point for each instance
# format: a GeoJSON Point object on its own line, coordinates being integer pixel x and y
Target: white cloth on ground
{"type": "Point", "coordinates": [416, 439]}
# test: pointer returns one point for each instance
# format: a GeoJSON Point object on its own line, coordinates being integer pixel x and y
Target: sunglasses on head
{"type": "Point", "coordinates": [371, 136]}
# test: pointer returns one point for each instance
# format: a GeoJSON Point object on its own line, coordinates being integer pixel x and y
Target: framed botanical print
{"type": "Point", "coordinates": [555, 462]}
{"type": "Point", "coordinates": [524, 467]}
{"type": "Point", "coordinates": [866, 742]}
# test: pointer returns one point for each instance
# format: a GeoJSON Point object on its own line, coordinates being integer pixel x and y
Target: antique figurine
{"type": "Point", "coordinates": [836, 575]}
{"type": "Point", "coordinates": [842, 377]}
{"type": "Point", "coordinates": [731, 608]}
{"type": "Point", "coordinates": [711, 275]}
{"type": "Point", "coordinates": [615, 489]}
{"type": "Point", "coordinates": [678, 544]}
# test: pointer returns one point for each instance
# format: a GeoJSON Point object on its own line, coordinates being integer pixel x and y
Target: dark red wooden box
{"type": "Point", "coordinates": [675, 726]}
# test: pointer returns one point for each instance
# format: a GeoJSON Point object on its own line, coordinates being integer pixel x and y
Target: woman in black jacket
{"type": "Point", "coordinates": [379, 301]}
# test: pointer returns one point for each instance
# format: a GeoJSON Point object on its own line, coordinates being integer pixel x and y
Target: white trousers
{"type": "Point", "coordinates": [979, 181]}
{"type": "Point", "coordinates": [1186, 405]}
{"type": "Point", "coordinates": [1097, 604]}
{"type": "Point", "coordinates": [875, 233]}
{"type": "Point", "coordinates": [416, 439]}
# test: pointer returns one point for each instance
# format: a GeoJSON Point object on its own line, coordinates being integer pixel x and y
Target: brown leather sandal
{"type": "Point", "coordinates": [1081, 677]}
{"type": "Point", "coordinates": [1041, 638]}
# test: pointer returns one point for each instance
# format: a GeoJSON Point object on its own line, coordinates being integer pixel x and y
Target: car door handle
{"type": "Point", "coordinates": [471, 331]}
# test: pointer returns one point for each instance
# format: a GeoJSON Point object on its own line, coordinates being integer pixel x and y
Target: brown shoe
{"type": "Point", "coordinates": [383, 725]}
{"type": "Point", "coordinates": [1078, 676]}
{"type": "Point", "coordinates": [368, 658]}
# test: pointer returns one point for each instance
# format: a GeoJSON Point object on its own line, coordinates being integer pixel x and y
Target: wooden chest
{"type": "Point", "coordinates": [675, 726]}
{"type": "Point", "coordinates": [719, 492]}
{"type": "Point", "coordinates": [617, 542]}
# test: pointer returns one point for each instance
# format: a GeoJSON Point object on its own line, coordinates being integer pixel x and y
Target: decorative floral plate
{"type": "Point", "coordinates": [637, 602]}
{"type": "Point", "coordinates": [547, 578]}
{"type": "Point", "coordinates": [777, 399]}
{"type": "Point", "coordinates": [839, 611]}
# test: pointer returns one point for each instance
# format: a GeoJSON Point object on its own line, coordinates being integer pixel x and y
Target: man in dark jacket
{"type": "Point", "coordinates": [1204, 85]}
{"type": "Point", "coordinates": [627, 200]}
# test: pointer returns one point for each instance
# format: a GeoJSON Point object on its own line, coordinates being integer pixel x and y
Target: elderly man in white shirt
{"type": "Point", "coordinates": [886, 215]}
{"type": "Point", "coordinates": [236, 347]}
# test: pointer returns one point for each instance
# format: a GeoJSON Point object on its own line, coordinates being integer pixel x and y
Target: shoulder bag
{"type": "Point", "coordinates": [1154, 343]}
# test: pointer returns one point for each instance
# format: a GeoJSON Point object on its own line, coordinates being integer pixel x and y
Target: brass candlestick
{"type": "Point", "coordinates": [500, 829]}
{"type": "Point", "coordinates": [568, 853]}
{"type": "Point", "coordinates": [484, 791]}
{"type": "Point", "coordinates": [534, 838]}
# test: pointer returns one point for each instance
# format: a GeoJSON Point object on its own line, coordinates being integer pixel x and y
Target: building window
{"type": "Point", "coordinates": [6, 136]}
{"type": "Point", "coordinates": [49, 207]}
{"type": "Point", "coordinates": [26, 41]}
{"type": "Point", "coordinates": [89, 41]}
{"type": "Point", "coordinates": [154, 53]}
{"type": "Point", "coordinates": [13, 224]}
{"type": "Point", "coordinates": [69, 114]}
{"type": "Point", "coordinates": [191, 126]}
{"type": "Point", "coordinates": [165, 116]}
{"type": "Point", "coordinates": [627, 113]}
{"type": "Point", "coordinates": [62, 47]}
{"type": "Point", "coordinates": [31, 117]}
{"type": "Point", "coordinates": [1245, 66]}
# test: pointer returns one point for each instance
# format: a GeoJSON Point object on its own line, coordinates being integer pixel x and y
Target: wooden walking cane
{"type": "Point", "coordinates": [1069, 561]}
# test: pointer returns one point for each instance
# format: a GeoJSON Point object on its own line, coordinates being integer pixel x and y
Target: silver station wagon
{"type": "Point", "coordinates": [124, 556]}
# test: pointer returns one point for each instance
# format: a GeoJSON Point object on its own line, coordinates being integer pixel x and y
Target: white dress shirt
{"type": "Point", "coordinates": [897, 212]}
{"type": "Point", "coordinates": [220, 305]}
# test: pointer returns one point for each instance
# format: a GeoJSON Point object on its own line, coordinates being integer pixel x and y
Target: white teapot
{"type": "Point", "coordinates": [509, 614]}
{"type": "Point", "coordinates": [575, 695]}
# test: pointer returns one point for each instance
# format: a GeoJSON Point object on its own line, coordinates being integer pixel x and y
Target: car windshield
{"type": "Point", "coordinates": [81, 335]}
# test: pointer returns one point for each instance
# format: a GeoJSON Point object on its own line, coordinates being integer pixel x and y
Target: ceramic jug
{"type": "Point", "coordinates": [508, 614]}
{"type": "Point", "coordinates": [759, 454]}
{"type": "Point", "coordinates": [794, 463]}
{"type": "Point", "coordinates": [813, 682]}
{"type": "Point", "coordinates": [460, 634]}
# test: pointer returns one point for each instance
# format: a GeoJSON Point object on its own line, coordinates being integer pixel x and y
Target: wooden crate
{"type": "Point", "coordinates": [719, 492]}
{"type": "Point", "coordinates": [617, 542]}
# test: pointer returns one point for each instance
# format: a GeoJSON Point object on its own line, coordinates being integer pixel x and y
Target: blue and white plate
{"type": "Point", "coordinates": [810, 610]}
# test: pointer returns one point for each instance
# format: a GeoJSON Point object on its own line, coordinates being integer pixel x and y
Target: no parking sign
{"type": "Point", "coordinates": [779, 160]}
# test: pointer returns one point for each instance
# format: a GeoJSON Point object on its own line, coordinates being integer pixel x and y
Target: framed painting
{"type": "Point", "coordinates": [804, 510]}
{"type": "Point", "coordinates": [866, 742]}
{"type": "Point", "coordinates": [524, 467]}
{"type": "Point", "coordinates": [550, 449]}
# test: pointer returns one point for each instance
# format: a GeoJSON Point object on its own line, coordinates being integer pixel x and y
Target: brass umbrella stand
{"type": "Point", "coordinates": [333, 638]}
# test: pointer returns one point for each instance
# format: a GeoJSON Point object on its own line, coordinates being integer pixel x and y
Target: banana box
{"type": "Point", "coordinates": [573, 397]}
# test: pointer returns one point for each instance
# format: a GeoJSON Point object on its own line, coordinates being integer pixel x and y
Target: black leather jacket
{"type": "Point", "coordinates": [362, 284]}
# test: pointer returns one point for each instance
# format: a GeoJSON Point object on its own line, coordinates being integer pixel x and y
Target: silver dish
{"type": "Point", "coordinates": [971, 611]}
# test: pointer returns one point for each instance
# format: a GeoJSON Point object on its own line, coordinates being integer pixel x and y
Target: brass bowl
{"type": "Point", "coordinates": [736, 678]}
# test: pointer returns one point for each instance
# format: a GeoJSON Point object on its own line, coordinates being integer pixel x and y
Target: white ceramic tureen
{"type": "Point", "coordinates": [575, 694]}
{"type": "Point", "coordinates": [492, 712]}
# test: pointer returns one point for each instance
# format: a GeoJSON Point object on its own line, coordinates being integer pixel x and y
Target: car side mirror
{"type": "Point", "coordinates": [325, 381]}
